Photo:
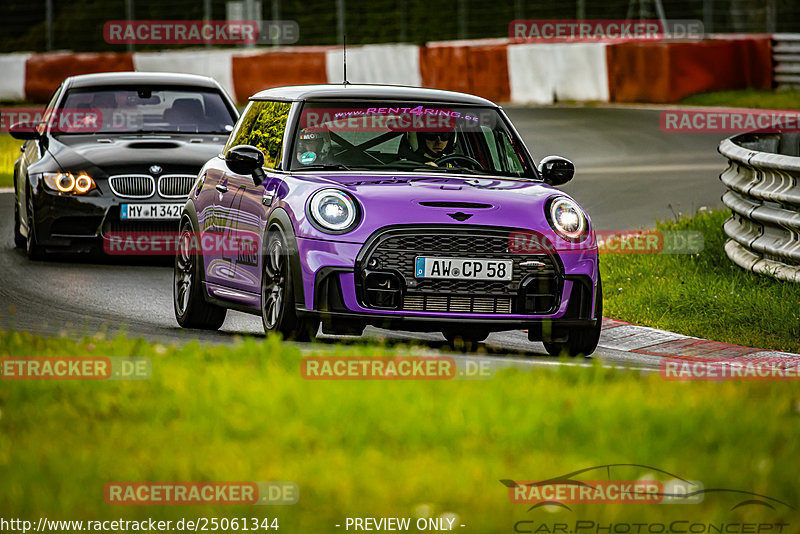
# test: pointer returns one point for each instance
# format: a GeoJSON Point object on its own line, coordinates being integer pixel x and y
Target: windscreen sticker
{"type": "Point", "coordinates": [307, 157]}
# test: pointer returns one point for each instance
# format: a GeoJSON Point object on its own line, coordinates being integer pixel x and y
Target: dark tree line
{"type": "Point", "coordinates": [78, 24]}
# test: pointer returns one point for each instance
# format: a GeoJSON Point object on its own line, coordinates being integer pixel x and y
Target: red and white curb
{"type": "Point", "coordinates": [626, 337]}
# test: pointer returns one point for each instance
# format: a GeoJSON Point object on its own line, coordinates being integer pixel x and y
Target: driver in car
{"type": "Point", "coordinates": [434, 145]}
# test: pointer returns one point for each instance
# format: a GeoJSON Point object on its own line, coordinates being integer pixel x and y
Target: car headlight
{"type": "Point", "coordinates": [68, 183]}
{"type": "Point", "coordinates": [567, 219]}
{"type": "Point", "coordinates": [333, 210]}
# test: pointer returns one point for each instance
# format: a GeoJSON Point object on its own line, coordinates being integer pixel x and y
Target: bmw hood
{"type": "Point", "coordinates": [103, 155]}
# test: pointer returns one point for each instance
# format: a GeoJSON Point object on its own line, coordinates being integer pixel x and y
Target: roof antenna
{"type": "Point", "coordinates": [344, 56]}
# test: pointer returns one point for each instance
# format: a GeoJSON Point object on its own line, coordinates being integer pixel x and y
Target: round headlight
{"type": "Point", "coordinates": [567, 219]}
{"type": "Point", "coordinates": [333, 210]}
{"type": "Point", "coordinates": [65, 182]}
{"type": "Point", "coordinates": [83, 183]}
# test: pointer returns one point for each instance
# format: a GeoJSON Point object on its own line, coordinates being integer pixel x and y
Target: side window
{"type": "Point", "coordinates": [263, 126]}
{"type": "Point", "coordinates": [242, 128]}
{"type": "Point", "coordinates": [512, 158]}
{"type": "Point", "coordinates": [488, 136]}
{"type": "Point", "coordinates": [48, 111]}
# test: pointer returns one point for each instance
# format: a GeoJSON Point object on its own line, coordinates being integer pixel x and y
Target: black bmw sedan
{"type": "Point", "coordinates": [114, 153]}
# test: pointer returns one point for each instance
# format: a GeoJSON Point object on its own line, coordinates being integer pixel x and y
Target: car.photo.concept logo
{"type": "Point", "coordinates": [653, 486]}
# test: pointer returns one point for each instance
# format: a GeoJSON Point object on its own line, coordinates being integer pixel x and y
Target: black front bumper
{"type": "Point", "coordinates": [329, 308]}
{"type": "Point", "coordinates": [78, 224]}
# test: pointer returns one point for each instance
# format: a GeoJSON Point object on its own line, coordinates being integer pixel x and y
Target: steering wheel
{"type": "Point", "coordinates": [474, 163]}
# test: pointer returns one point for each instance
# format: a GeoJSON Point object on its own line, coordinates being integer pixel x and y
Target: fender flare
{"type": "Point", "coordinates": [280, 218]}
{"type": "Point", "coordinates": [190, 211]}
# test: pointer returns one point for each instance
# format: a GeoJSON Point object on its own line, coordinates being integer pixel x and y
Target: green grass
{"type": "Point", "coordinates": [747, 98]}
{"type": "Point", "coordinates": [9, 152]}
{"type": "Point", "coordinates": [379, 448]}
{"type": "Point", "coordinates": [704, 294]}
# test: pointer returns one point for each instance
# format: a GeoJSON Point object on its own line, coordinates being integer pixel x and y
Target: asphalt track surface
{"type": "Point", "coordinates": [629, 174]}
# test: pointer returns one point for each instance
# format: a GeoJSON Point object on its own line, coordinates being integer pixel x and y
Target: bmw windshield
{"type": "Point", "coordinates": [151, 109]}
{"type": "Point", "coordinates": [411, 136]}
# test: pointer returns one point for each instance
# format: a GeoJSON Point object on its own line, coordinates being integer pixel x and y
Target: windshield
{"type": "Point", "coordinates": [151, 109]}
{"type": "Point", "coordinates": [395, 136]}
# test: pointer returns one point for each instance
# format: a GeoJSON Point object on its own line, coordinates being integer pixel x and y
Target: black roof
{"type": "Point", "coordinates": [369, 92]}
{"type": "Point", "coordinates": [135, 78]}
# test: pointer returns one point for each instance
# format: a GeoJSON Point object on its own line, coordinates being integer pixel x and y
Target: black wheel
{"type": "Point", "coordinates": [581, 341]}
{"type": "Point", "coordinates": [191, 308]}
{"type": "Point", "coordinates": [35, 251]}
{"type": "Point", "coordinates": [19, 240]}
{"type": "Point", "coordinates": [277, 292]}
{"type": "Point", "coordinates": [465, 340]}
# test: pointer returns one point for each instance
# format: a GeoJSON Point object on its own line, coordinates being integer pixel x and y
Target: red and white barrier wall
{"type": "Point", "coordinates": [494, 68]}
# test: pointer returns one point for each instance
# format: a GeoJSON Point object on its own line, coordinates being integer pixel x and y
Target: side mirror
{"type": "Point", "coordinates": [246, 159]}
{"type": "Point", "coordinates": [556, 170]}
{"type": "Point", "coordinates": [23, 130]}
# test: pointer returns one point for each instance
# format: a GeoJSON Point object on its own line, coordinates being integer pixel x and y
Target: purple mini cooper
{"type": "Point", "coordinates": [406, 208]}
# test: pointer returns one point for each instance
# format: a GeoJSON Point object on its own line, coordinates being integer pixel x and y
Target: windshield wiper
{"type": "Point", "coordinates": [444, 170]}
{"type": "Point", "coordinates": [325, 167]}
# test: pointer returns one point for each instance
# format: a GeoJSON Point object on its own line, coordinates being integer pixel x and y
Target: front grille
{"type": "Point", "coordinates": [132, 185]}
{"type": "Point", "coordinates": [457, 304]}
{"type": "Point", "coordinates": [395, 252]}
{"type": "Point", "coordinates": [175, 185]}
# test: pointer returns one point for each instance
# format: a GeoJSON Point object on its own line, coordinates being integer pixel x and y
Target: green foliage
{"type": "Point", "coordinates": [9, 152]}
{"type": "Point", "coordinates": [378, 448]}
{"type": "Point", "coordinates": [747, 98]}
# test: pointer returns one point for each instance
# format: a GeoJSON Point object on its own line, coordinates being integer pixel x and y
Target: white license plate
{"type": "Point", "coordinates": [463, 268]}
{"type": "Point", "coordinates": [151, 211]}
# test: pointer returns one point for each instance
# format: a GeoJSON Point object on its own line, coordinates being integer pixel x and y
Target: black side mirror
{"type": "Point", "coordinates": [23, 130]}
{"type": "Point", "coordinates": [246, 159]}
{"type": "Point", "coordinates": [556, 170]}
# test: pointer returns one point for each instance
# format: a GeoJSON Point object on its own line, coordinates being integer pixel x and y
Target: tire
{"type": "Point", "coordinates": [581, 341]}
{"type": "Point", "coordinates": [191, 308]}
{"type": "Point", "coordinates": [20, 241]}
{"type": "Point", "coordinates": [35, 251]}
{"type": "Point", "coordinates": [465, 340]}
{"type": "Point", "coordinates": [278, 314]}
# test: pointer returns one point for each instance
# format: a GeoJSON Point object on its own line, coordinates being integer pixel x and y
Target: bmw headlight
{"type": "Point", "coordinates": [68, 183]}
{"type": "Point", "coordinates": [334, 211]}
{"type": "Point", "coordinates": [567, 219]}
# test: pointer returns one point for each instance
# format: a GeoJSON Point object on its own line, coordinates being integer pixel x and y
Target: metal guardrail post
{"type": "Point", "coordinates": [786, 60]}
{"type": "Point", "coordinates": [763, 181]}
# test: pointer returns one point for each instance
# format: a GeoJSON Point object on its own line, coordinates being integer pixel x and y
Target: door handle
{"type": "Point", "coordinates": [221, 188]}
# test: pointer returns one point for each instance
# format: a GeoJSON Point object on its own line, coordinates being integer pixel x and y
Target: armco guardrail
{"type": "Point", "coordinates": [786, 60]}
{"type": "Point", "coordinates": [763, 181]}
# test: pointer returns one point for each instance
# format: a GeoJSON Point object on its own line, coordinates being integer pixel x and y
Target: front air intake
{"type": "Point", "coordinates": [383, 290]}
